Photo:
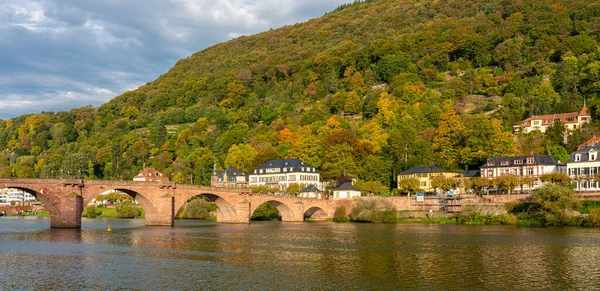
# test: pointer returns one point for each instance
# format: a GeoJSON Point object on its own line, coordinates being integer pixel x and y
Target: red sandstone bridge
{"type": "Point", "coordinates": [65, 200]}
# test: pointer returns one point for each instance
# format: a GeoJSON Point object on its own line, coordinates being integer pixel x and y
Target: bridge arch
{"type": "Point", "coordinates": [225, 211]}
{"type": "Point", "coordinates": [48, 204]}
{"type": "Point", "coordinates": [285, 211]}
{"type": "Point", "coordinates": [142, 200]}
{"type": "Point", "coordinates": [315, 212]}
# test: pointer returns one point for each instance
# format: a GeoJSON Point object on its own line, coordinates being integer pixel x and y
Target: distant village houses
{"type": "Point", "coordinates": [150, 175]}
{"type": "Point", "coordinates": [571, 120]}
{"type": "Point", "coordinates": [230, 177]}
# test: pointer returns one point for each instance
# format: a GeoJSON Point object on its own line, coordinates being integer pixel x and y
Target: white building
{"type": "Point", "coordinates": [583, 165]}
{"type": "Point", "coordinates": [9, 196]}
{"type": "Point", "coordinates": [533, 166]}
{"type": "Point", "coordinates": [282, 173]}
{"type": "Point", "coordinates": [311, 192]}
{"type": "Point", "coordinates": [346, 191]}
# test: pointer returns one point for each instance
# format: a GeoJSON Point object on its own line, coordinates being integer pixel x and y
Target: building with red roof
{"type": "Point", "coordinates": [571, 120]}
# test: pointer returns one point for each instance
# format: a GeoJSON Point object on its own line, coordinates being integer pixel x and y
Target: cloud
{"type": "Point", "coordinates": [57, 55]}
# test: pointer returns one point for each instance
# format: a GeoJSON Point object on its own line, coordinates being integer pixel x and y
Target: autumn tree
{"type": "Point", "coordinates": [448, 142]}
{"type": "Point", "coordinates": [409, 185]}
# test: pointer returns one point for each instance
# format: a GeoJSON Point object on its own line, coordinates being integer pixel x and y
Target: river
{"type": "Point", "coordinates": [197, 255]}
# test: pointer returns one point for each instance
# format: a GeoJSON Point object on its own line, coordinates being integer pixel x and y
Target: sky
{"type": "Point", "coordinates": [62, 54]}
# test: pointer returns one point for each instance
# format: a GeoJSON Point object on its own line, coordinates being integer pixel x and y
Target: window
{"type": "Point", "coordinates": [491, 164]}
{"type": "Point", "coordinates": [592, 157]}
{"type": "Point", "coordinates": [530, 171]}
{"type": "Point", "coordinates": [285, 169]}
{"type": "Point", "coordinates": [423, 183]}
{"type": "Point", "coordinates": [577, 158]}
{"type": "Point", "coordinates": [530, 161]}
{"type": "Point", "coordinates": [253, 179]}
{"type": "Point", "coordinates": [504, 163]}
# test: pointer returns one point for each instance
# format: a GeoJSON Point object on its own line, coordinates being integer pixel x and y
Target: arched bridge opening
{"type": "Point", "coordinates": [202, 205]}
{"type": "Point", "coordinates": [267, 209]}
{"type": "Point", "coordinates": [7, 200]}
{"type": "Point", "coordinates": [315, 213]}
{"type": "Point", "coordinates": [117, 203]}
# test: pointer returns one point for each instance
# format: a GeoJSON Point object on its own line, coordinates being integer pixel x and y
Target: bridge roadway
{"type": "Point", "coordinates": [65, 199]}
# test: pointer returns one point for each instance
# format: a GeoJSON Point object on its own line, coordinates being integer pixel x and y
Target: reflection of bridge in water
{"type": "Point", "coordinates": [66, 198]}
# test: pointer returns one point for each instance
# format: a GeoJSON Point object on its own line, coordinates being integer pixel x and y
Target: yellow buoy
{"type": "Point", "coordinates": [108, 229]}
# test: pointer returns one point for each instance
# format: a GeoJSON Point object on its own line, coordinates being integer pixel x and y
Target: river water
{"type": "Point", "coordinates": [294, 256]}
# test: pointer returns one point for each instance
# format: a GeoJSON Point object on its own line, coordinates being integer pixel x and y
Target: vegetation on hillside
{"type": "Point", "coordinates": [366, 91]}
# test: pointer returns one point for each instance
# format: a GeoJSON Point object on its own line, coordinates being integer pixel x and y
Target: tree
{"type": "Point", "coordinates": [556, 178]}
{"type": "Point", "coordinates": [508, 182]}
{"type": "Point", "coordinates": [444, 183]}
{"type": "Point", "coordinates": [242, 157]}
{"type": "Point", "coordinates": [409, 185]}
{"type": "Point", "coordinates": [449, 137]}
{"type": "Point", "coordinates": [373, 188]}
{"type": "Point", "coordinates": [353, 104]}
{"type": "Point", "coordinates": [295, 188]}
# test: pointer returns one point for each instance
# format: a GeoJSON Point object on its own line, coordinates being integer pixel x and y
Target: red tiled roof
{"type": "Point", "coordinates": [589, 143]}
{"type": "Point", "coordinates": [151, 175]}
{"type": "Point", "coordinates": [550, 118]}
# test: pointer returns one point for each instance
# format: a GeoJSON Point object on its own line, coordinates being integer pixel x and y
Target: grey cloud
{"type": "Point", "coordinates": [56, 55]}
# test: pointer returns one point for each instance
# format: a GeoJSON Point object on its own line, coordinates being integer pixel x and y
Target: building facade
{"type": "Point", "coordinates": [533, 166]}
{"type": "Point", "coordinates": [311, 192]}
{"type": "Point", "coordinates": [14, 196]}
{"type": "Point", "coordinates": [583, 165]}
{"type": "Point", "coordinates": [284, 172]}
{"type": "Point", "coordinates": [425, 174]}
{"type": "Point", "coordinates": [571, 120]}
{"type": "Point", "coordinates": [150, 175]}
{"type": "Point", "coordinates": [230, 177]}
{"type": "Point", "coordinates": [346, 191]}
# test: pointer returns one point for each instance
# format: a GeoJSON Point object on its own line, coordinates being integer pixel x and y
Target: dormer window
{"type": "Point", "coordinates": [504, 163]}
{"type": "Point", "coordinates": [592, 157]}
{"type": "Point", "coordinates": [518, 162]}
{"type": "Point", "coordinates": [491, 164]}
{"type": "Point", "coordinates": [577, 158]}
{"type": "Point", "coordinates": [530, 161]}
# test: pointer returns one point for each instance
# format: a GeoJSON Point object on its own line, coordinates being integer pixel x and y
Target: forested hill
{"type": "Point", "coordinates": [365, 91]}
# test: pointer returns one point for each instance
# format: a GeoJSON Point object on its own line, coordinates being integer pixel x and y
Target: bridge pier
{"type": "Point", "coordinates": [163, 212]}
{"type": "Point", "coordinates": [68, 212]}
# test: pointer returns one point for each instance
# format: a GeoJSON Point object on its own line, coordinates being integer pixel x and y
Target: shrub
{"type": "Point", "coordinates": [127, 210]}
{"type": "Point", "coordinates": [197, 209]}
{"type": "Point", "coordinates": [90, 211]}
{"type": "Point", "coordinates": [266, 211]}
{"type": "Point", "coordinates": [373, 210]}
{"type": "Point", "coordinates": [340, 214]}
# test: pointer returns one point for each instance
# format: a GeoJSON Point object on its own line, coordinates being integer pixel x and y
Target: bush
{"type": "Point", "coordinates": [127, 210]}
{"type": "Point", "coordinates": [90, 211]}
{"type": "Point", "coordinates": [340, 214]}
{"type": "Point", "coordinates": [197, 209]}
{"type": "Point", "coordinates": [373, 210]}
{"type": "Point", "coordinates": [266, 211]}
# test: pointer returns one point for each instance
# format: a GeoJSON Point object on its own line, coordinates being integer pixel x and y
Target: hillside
{"type": "Point", "coordinates": [367, 91]}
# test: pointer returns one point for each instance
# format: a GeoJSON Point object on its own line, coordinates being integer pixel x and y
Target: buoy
{"type": "Point", "coordinates": [108, 229]}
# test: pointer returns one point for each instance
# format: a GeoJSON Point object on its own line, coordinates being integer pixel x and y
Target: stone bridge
{"type": "Point", "coordinates": [65, 199]}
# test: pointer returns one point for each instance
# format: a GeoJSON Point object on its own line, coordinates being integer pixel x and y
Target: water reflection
{"type": "Point", "coordinates": [283, 256]}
